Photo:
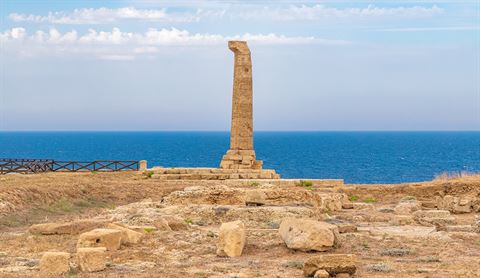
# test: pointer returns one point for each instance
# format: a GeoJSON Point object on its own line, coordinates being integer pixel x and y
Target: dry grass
{"type": "Point", "coordinates": [456, 175]}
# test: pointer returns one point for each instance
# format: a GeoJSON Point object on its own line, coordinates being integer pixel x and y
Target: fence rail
{"type": "Point", "coordinates": [50, 165]}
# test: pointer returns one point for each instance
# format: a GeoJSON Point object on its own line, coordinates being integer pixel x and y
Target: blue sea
{"type": "Point", "coordinates": [356, 157]}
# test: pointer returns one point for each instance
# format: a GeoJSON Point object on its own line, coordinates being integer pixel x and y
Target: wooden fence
{"type": "Point", "coordinates": [49, 165]}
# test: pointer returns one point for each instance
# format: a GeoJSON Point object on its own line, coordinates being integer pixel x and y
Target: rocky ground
{"type": "Point", "coordinates": [157, 228]}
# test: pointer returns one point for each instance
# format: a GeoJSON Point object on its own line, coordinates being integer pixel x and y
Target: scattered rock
{"type": "Point", "coordinates": [231, 239]}
{"type": "Point", "coordinates": [347, 206]}
{"type": "Point", "coordinates": [456, 204]}
{"type": "Point", "coordinates": [332, 263]}
{"type": "Point", "coordinates": [162, 225]}
{"type": "Point", "coordinates": [429, 204]}
{"type": "Point", "coordinates": [363, 206]}
{"type": "Point", "coordinates": [92, 259]}
{"type": "Point", "coordinates": [307, 235]}
{"type": "Point", "coordinates": [407, 206]}
{"type": "Point", "coordinates": [176, 223]}
{"type": "Point", "coordinates": [459, 228]}
{"type": "Point", "coordinates": [321, 274]}
{"type": "Point", "coordinates": [28, 262]}
{"type": "Point", "coordinates": [128, 236]}
{"type": "Point", "coordinates": [108, 238]}
{"type": "Point", "coordinates": [342, 275]}
{"type": "Point", "coordinates": [54, 263]}
{"type": "Point", "coordinates": [346, 228]}
{"type": "Point", "coordinates": [404, 231]}
{"type": "Point", "coordinates": [401, 220]}
{"type": "Point", "coordinates": [255, 198]}
{"type": "Point", "coordinates": [386, 210]}
{"type": "Point", "coordinates": [436, 218]}
{"type": "Point", "coordinates": [68, 228]}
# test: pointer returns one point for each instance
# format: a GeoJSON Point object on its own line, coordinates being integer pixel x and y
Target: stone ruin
{"type": "Point", "coordinates": [241, 154]}
{"type": "Point", "coordinates": [240, 161]}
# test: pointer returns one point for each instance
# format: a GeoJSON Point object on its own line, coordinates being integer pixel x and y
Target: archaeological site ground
{"type": "Point", "coordinates": [238, 220]}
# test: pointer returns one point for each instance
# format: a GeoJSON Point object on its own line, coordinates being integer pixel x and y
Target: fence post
{"type": "Point", "coordinates": [142, 165]}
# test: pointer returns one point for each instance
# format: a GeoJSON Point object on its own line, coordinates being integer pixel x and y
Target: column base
{"type": "Point", "coordinates": [240, 159]}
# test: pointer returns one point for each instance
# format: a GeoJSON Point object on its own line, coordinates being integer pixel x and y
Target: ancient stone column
{"type": "Point", "coordinates": [241, 154]}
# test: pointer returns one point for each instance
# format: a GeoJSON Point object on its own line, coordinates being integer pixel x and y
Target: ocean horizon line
{"type": "Point", "coordinates": [256, 131]}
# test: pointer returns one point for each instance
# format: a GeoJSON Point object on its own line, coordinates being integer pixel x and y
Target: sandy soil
{"type": "Point", "coordinates": [190, 252]}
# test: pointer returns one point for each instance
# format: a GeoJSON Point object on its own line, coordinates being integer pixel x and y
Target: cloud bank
{"type": "Point", "coordinates": [126, 45]}
{"type": "Point", "coordinates": [292, 12]}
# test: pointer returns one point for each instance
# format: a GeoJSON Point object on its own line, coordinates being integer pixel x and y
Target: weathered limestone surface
{"type": "Point", "coordinates": [307, 235]}
{"type": "Point", "coordinates": [231, 239]}
{"type": "Point", "coordinates": [128, 236]}
{"type": "Point", "coordinates": [92, 259]}
{"type": "Point", "coordinates": [68, 228]}
{"type": "Point", "coordinates": [54, 264]}
{"type": "Point", "coordinates": [241, 154]}
{"type": "Point", "coordinates": [108, 238]}
{"type": "Point", "coordinates": [332, 263]}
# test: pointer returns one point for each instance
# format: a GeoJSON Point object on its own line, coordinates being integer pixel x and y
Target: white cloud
{"type": "Point", "coordinates": [317, 12]}
{"type": "Point", "coordinates": [152, 37]}
{"type": "Point", "coordinates": [107, 15]}
{"type": "Point", "coordinates": [118, 45]}
{"type": "Point", "coordinates": [431, 29]}
{"type": "Point", "coordinates": [292, 12]}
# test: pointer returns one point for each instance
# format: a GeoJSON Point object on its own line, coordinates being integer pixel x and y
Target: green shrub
{"type": "Point", "coordinates": [148, 230]}
{"type": "Point", "coordinates": [354, 198]}
{"type": "Point", "coordinates": [370, 200]}
{"type": "Point", "coordinates": [303, 183]}
{"type": "Point", "coordinates": [254, 184]}
{"type": "Point", "coordinates": [148, 174]}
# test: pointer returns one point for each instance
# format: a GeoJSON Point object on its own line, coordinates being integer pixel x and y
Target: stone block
{"type": "Point", "coordinates": [307, 235]}
{"type": "Point", "coordinates": [231, 239]}
{"type": "Point", "coordinates": [68, 228]}
{"type": "Point", "coordinates": [255, 198]}
{"type": "Point", "coordinates": [92, 259]}
{"type": "Point", "coordinates": [128, 236]}
{"type": "Point", "coordinates": [108, 238]}
{"type": "Point", "coordinates": [332, 263]}
{"type": "Point", "coordinates": [321, 274]}
{"type": "Point", "coordinates": [54, 264]}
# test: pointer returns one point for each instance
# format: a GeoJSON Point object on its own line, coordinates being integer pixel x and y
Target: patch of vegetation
{"type": "Point", "coordinates": [62, 205]}
{"type": "Point", "coordinates": [395, 252]}
{"type": "Point", "coordinates": [59, 207]}
{"type": "Point", "coordinates": [380, 267]}
{"type": "Point", "coordinates": [429, 259]}
{"type": "Point", "coordinates": [148, 174]}
{"type": "Point", "coordinates": [303, 183]}
{"type": "Point", "coordinates": [211, 234]}
{"type": "Point", "coordinates": [293, 264]}
{"type": "Point", "coordinates": [354, 198]}
{"type": "Point", "coordinates": [254, 184]}
{"type": "Point", "coordinates": [92, 203]}
{"type": "Point", "coordinates": [188, 221]}
{"type": "Point", "coordinates": [149, 230]}
{"type": "Point", "coordinates": [365, 245]}
{"type": "Point", "coordinates": [408, 198]}
{"type": "Point", "coordinates": [370, 200]}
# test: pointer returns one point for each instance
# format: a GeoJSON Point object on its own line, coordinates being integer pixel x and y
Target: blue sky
{"type": "Point", "coordinates": [164, 65]}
